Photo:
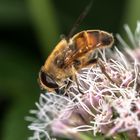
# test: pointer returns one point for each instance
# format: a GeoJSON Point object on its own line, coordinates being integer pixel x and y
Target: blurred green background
{"type": "Point", "coordinates": [29, 30]}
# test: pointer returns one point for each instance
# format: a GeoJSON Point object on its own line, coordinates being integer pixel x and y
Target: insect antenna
{"type": "Point", "coordinates": [80, 19]}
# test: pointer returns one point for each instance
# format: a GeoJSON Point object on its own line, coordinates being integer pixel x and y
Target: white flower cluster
{"type": "Point", "coordinates": [49, 107]}
{"type": "Point", "coordinates": [107, 98]}
{"type": "Point", "coordinates": [104, 98]}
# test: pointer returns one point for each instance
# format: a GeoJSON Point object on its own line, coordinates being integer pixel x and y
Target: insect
{"type": "Point", "coordinates": [70, 56]}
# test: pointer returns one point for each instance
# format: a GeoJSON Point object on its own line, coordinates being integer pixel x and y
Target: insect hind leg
{"type": "Point", "coordinates": [103, 69]}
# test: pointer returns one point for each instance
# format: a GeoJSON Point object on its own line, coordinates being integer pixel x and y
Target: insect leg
{"type": "Point", "coordinates": [102, 67]}
{"type": "Point", "coordinates": [76, 79]}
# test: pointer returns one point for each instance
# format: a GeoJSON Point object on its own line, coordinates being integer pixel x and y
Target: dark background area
{"type": "Point", "coordinates": [29, 30]}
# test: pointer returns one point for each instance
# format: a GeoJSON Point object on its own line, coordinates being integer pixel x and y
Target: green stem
{"type": "Point", "coordinates": [45, 21]}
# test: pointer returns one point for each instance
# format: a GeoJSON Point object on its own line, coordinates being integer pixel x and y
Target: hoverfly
{"type": "Point", "coordinates": [70, 55]}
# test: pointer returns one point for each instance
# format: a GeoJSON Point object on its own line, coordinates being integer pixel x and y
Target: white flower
{"type": "Point", "coordinates": [50, 107]}
{"type": "Point", "coordinates": [104, 99]}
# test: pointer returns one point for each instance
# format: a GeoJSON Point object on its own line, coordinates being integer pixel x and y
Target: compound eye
{"type": "Point", "coordinates": [47, 80]}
